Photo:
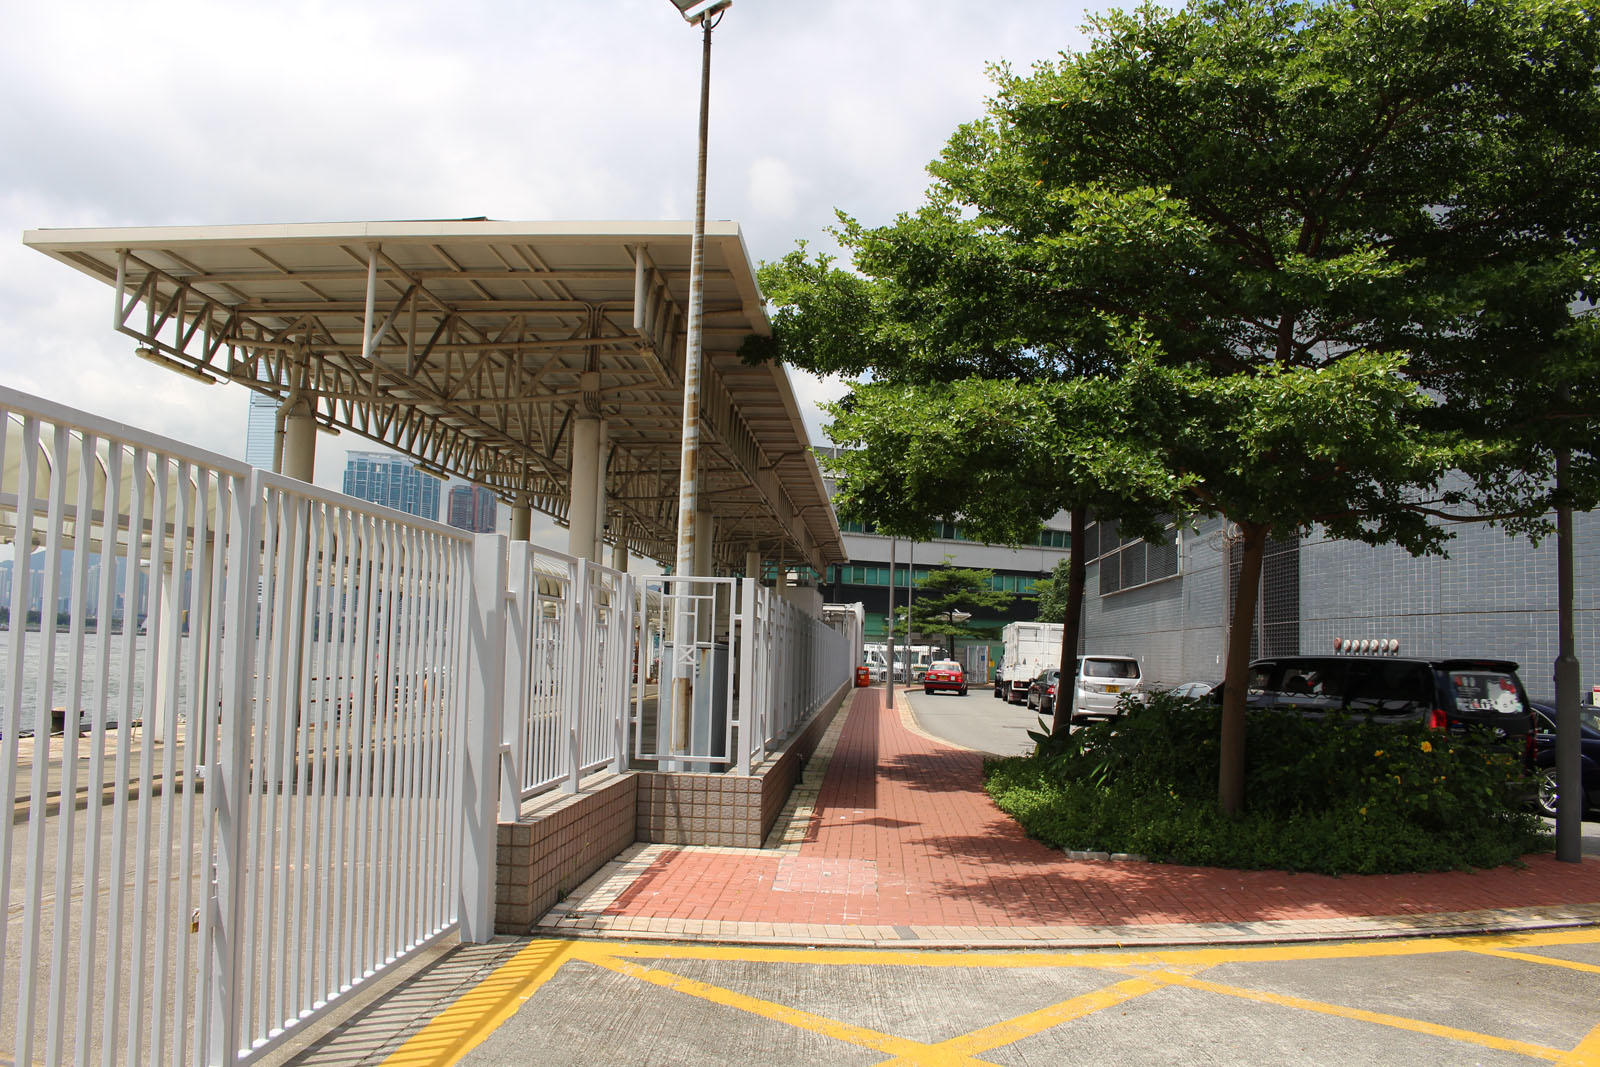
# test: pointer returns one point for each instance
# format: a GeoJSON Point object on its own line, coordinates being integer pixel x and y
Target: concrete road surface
{"type": "Point", "coordinates": [1501, 1000]}
{"type": "Point", "coordinates": [977, 720]}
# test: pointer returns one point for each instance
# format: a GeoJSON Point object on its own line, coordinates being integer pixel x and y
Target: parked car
{"type": "Point", "coordinates": [1101, 682]}
{"type": "Point", "coordinates": [945, 674]}
{"type": "Point", "coordinates": [1544, 757]}
{"type": "Point", "coordinates": [1196, 690]}
{"type": "Point", "coordinates": [1444, 693]}
{"type": "Point", "coordinates": [1042, 692]}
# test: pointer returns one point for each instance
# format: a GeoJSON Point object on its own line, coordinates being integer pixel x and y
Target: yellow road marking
{"type": "Point", "coordinates": [1586, 1053]}
{"type": "Point", "coordinates": [1035, 1022]}
{"type": "Point", "coordinates": [1533, 957]}
{"type": "Point", "coordinates": [909, 1051]}
{"type": "Point", "coordinates": [1100, 958]}
{"type": "Point", "coordinates": [1398, 1022]}
{"type": "Point", "coordinates": [465, 1024]}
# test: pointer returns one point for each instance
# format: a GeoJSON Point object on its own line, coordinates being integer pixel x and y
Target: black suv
{"type": "Point", "coordinates": [1444, 693]}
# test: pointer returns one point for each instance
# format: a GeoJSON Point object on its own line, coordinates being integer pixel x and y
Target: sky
{"type": "Point", "coordinates": [180, 112]}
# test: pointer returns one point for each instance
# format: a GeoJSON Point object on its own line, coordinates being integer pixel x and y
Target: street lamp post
{"type": "Point", "coordinates": [706, 14]}
{"type": "Point", "coordinates": [953, 618]}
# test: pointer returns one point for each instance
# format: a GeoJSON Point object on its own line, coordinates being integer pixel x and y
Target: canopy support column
{"type": "Point", "coordinates": [582, 507]}
{"type": "Point", "coordinates": [299, 441]}
{"type": "Point", "coordinates": [602, 446]}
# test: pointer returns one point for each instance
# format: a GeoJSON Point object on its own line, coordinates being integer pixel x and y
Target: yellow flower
{"type": "Point", "coordinates": [1363, 811]}
{"type": "Point", "coordinates": [1378, 753]}
{"type": "Point", "coordinates": [1427, 746]}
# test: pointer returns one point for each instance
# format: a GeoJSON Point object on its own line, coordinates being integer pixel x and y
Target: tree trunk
{"type": "Point", "coordinates": [1072, 625]}
{"type": "Point", "coordinates": [1230, 767]}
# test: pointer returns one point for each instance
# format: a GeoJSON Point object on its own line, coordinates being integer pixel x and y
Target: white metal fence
{"type": "Point", "coordinates": [256, 734]}
{"type": "Point", "coordinates": [252, 804]}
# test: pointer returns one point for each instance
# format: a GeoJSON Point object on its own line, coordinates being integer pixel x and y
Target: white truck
{"type": "Point", "coordinates": [1031, 648]}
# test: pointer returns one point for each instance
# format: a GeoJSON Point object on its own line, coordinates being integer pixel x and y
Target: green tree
{"type": "Point", "coordinates": [949, 598]}
{"type": "Point", "coordinates": [967, 422]}
{"type": "Point", "coordinates": [1050, 593]}
{"type": "Point", "coordinates": [1243, 235]}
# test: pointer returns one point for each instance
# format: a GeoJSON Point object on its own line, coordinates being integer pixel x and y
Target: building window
{"type": "Point", "coordinates": [1129, 562]}
{"type": "Point", "coordinates": [949, 531]}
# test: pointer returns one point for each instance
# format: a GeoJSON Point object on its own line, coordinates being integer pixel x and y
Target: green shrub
{"type": "Point", "coordinates": [1336, 795]}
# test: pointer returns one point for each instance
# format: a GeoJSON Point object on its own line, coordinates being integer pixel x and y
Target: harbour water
{"type": "Point", "coordinates": [104, 656]}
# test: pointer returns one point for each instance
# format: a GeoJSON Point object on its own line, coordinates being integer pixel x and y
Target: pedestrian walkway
{"type": "Point", "coordinates": [902, 847]}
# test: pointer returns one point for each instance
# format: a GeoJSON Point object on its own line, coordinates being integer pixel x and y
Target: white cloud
{"type": "Point", "coordinates": [773, 188]}
{"type": "Point", "coordinates": [811, 392]}
{"type": "Point", "coordinates": [197, 111]}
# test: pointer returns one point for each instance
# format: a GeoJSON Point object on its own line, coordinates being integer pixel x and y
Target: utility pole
{"type": "Point", "coordinates": [1569, 771]}
{"type": "Point", "coordinates": [891, 622]}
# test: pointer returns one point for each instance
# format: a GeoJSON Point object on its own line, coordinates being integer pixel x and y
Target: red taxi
{"type": "Point", "coordinates": [944, 674]}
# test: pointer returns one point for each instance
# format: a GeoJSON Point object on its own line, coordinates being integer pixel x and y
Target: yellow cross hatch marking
{"type": "Point", "coordinates": [1399, 1022]}
{"type": "Point", "coordinates": [907, 1050]}
{"type": "Point", "coordinates": [1010, 1031]}
{"type": "Point", "coordinates": [468, 1021]}
{"type": "Point", "coordinates": [1586, 1053]}
{"type": "Point", "coordinates": [1532, 957]}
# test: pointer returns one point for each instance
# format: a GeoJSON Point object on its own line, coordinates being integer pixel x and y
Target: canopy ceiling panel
{"type": "Point", "coordinates": [471, 346]}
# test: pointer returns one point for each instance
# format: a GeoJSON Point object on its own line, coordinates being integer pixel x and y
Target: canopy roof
{"type": "Point", "coordinates": [471, 345]}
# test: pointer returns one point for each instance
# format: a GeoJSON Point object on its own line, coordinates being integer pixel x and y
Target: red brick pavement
{"type": "Point", "coordinates": [904, 834]}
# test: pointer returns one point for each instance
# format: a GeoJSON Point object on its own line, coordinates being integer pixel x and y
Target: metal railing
{"type": "Point", "coordinates": [230, 735]}
{"type": "Point", "coordinates": [569, 638]}
{"type": "Point", "coordinates": [260, 757]}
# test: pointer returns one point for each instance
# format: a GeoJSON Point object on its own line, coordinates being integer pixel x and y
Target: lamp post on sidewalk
{"type": "Point", "coordinates": [706, 14]}
{"type": "Point", "coordinates": [954, 618]}
{"type": "Point", "coordinates": [890, 690]}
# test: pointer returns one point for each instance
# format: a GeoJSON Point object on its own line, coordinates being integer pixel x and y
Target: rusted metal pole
{"type": "Point", "coordinates": [689, 461]}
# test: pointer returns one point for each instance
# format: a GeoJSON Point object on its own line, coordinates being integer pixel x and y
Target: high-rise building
{"type": "Point", "coordinates": [258, 432]}
{"type": "Point", "coordinates": [472, 508]}
{"type": "Point", "coordinates": [392, 481]}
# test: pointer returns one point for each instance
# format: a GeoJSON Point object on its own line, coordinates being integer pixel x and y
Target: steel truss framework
{"type": "Point", "coordinates": [472, 346]}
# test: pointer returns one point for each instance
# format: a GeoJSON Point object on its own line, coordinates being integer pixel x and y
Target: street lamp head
{"type": "Point", "coordinates": [695, 10]}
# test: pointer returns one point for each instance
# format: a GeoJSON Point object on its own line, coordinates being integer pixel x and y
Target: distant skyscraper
{"type": "Point", "coordinates": [393, 482]}
{"type": "Point", "coordinates": [258, 432]}
{"type": "Point", "coordinates": [472, 508]}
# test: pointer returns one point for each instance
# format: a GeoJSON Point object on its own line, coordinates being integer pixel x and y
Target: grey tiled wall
{"type": "Point", "coordinates": [1175, 627]}
{"type": "Point", "coordinates": [1494, 596]}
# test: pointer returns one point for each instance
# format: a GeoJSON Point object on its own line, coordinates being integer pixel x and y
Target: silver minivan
{"type": "Point", "coordinates": [1101, 682]}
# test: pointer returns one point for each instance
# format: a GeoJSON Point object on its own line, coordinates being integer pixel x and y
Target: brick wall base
{"type": "Point", "coordinates": [560, 841]}
{"type": "Point", "coordinates": [731, 810]}
{"type": "Point", "coordinates": [563, 838]}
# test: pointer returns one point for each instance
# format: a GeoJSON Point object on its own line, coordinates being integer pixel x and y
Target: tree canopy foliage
{"type": "Point", "coordinates": [1295, 264]}
{"type": "Point", "coordinates": [948, 598]}
{"type": "Point", "coordinates": [1050, 594]}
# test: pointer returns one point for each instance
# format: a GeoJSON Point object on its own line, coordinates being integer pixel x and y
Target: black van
{"type": "Point", "coordinates": [1444, 693]}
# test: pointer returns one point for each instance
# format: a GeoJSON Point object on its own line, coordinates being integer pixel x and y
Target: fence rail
{"type": "Point", "coordinates": [261, 758]}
